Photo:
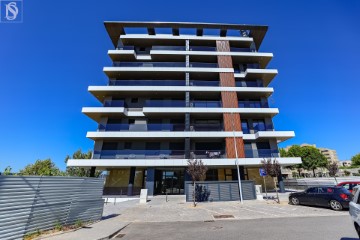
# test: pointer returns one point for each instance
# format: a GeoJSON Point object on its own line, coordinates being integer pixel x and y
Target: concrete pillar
{"type": "Point", "coordinates": [131, 181]}
{"type": "Point", "coordinates": [150, 181]}
{"type": "Point", "coordinates": [92, 171]}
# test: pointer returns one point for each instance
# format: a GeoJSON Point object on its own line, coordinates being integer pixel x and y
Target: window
{"type": "Point", "coordinates": [109, 146]}
{"type": "Point", "coordinates": [152, 146]}
{"type": "Point", "coordinates": [312, 190]}
{"type": "Point", "coordinates": [259, 125]}
{"type": "Point", "coordinates": [212, 175]}
{"type": "Point", "coordinates": [127, 145]}
{"type": "Point", "coordinates": [244, 126]}
{"type": "Point", "coordinates": [134, 100]}
{"type": "Point", "coordinates": [263, 145]}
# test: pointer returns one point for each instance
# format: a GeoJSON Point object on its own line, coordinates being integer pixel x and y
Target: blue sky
{"type": "Point", "coordinates": [48, 61]}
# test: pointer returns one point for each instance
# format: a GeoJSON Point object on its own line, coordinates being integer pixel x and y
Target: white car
{"type": "Point", "coordinates": [354, 209]}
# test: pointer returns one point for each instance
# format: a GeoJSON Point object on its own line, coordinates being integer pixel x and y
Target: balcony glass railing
{"type": "Point", "coordinates": [237, 69]}
{"type": "Point", "coordinates": [147, 82]}
{"type": "Point", "coordinates": [261, 153]}
{"type": "Point", "coordinates": [114, 103]}
{"type": "Point", "coordinates": [165, 64]}
{"type": "Point", "coordinates": [156, 154]}
{"type": "Point", "coordinates": [248, 84]}
{"type": "Point", "coordinates": [201, 48]}
{"type": "Point", "coordinates": [125, 48]}
{"type": "Point", "coordinates": [234, 49]}
{"type": "Point", "coordinates": [164, 103]}
{"type": "Point", "coordinates": [139, 154]}
{"type": "Point", "coordinates": [253, 104]}
{"type": "Point", "coordinates": [263, 127]}
{"type": "Point", "coordinates": [205, 104]}
{"type": "Point", "coordinates": [172, 48]}
{"type": "Point", "coordinates": [159, 127]}
{"type": "Point", "coordinates": [214, 83]}
{"type": "Point", "coordinates": [205, 83]}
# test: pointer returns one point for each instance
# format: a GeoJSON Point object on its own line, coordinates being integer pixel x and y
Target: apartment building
{"type": "Point", "coordinates": [330, 154]}
{"type": "Point", "coordinates": [178, 91]}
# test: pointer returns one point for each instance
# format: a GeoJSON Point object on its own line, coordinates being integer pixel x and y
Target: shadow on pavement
{"type": "Point", "coordinates": [346, 238]}
{"type": "Point", "coordinates": [109, 216]}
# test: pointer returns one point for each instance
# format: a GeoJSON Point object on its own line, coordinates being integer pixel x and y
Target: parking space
{"type": "Point", "coordinates": [176, 209]}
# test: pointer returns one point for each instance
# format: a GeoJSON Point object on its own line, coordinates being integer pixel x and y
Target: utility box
{"type": "Point", "coordinates": [143, 195]}
{"type": "Point", "coordinates": [258, 190]}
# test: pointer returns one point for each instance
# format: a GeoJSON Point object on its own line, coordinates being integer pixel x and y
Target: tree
{"type": "Point", "coordinates": [78, 171]}
{"type": "Point", "coordinates": [7, 171]}
{"type": "Point", "coordinates": [333, 170]}
{"type": "Point", "coordinates": [41, 168]}
{"type": "Point", "coordinates": [197, 170]}
{"type": "Point", "coordinates": [355, 160]}
{"type": "Point", "coordinates": [311, 157]}
{"type": "Point", "coordinates": [273, 169]}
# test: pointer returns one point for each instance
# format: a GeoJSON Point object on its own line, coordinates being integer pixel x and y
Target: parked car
{"type": "Point", "coordinates": [349, 185]}
{"type": "Point", "coordinates": [354, 210]}
{"type": "Point", "coordinates": [337, 198]}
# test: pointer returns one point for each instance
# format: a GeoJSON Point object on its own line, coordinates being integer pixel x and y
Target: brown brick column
{"type": "Point", "coordinates": [229, 100]}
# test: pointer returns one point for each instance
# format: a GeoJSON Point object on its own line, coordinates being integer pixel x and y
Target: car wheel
{"type": "Point", "coordinates": [335, 205]}
{"type": "Point", "coordinates": [294, 201]}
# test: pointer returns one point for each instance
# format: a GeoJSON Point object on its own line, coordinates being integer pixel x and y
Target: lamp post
{"type": "Point", "coordinates": [237, 160]}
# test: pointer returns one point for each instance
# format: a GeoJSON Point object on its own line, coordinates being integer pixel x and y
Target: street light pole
{"type": "Point", "coordinates": [237, 160]}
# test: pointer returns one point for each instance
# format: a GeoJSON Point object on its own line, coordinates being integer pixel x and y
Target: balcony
{"type": "Point", "coordinates": [234, 49]}
{"type": "Point", "coordinates": [263, 127]}
{"type": "Point", "coordinates": [114, 103]}
{"type": "Point", "coordinates": [253, 104]}
{"type": "Point", "coordinates": [244, 67]}
{"type": "Point", "coordinates": [248, 84]}
{"type": "Point", "coordinates": [164, 103]}
{"type": "Point", "coordinates": [146, 82]}
{"type": "Point", "coordinates": [157, 154]}
{"type": "Point", "coordinates": [160, 127]}
{"type": "Point", "coordinates": [165, 64]}
{"type": "Point", "coordinates": [257, 128]}
{"type": "Point", "coordinates": [181, 103]}
{"type": "Point", "coordinates": [261, 153]}
{"type": "Point", "coordinates": [214, 83]}
{"type": "Point", "coordinates": [206, 104]}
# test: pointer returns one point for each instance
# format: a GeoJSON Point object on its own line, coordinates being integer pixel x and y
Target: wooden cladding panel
{"type": "Point", "coordinates": [229, 100]}
{"type": "Point", "coordinates": [230, 147]}
{"type": "Point", "coordinates": [229, 118]}
{"type": "Point", "coordinates": [222, 46]}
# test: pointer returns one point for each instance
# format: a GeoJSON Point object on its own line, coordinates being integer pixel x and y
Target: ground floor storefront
{"type": "Point", "coordinates": [171, 180]}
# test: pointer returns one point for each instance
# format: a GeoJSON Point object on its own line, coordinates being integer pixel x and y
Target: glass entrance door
{"type": "Point", "coordinates": [169, 181]}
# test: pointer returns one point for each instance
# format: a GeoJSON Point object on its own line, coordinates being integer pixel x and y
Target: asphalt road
{"type": "Point", "coordinates": [300, 228]}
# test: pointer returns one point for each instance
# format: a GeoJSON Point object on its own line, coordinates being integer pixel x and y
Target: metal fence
{"type": "Point", "coordinates": [28, 204]}
{"type": "Point", "coordinates": [220, 190]}
{"type": "Point", "coordinates": [304, 183]}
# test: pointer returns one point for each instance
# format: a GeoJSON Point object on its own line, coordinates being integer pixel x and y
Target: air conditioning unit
{"type": "Point", "coordinates": [191, 104]}
{"type": "Point", "coordinates": [192, 128]}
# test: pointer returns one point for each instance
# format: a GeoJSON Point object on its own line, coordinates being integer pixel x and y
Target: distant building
{"type": "Point", "coordinates": [330, 154]}
{"type": "Point", "coordinates": [346, 163]}
{"type": "Point", "coordinates": [301, 145]}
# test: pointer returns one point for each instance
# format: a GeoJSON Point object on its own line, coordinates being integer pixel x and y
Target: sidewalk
{"type": "Point", "coordinates": [100, 230]}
